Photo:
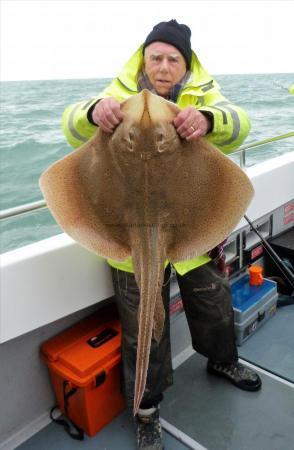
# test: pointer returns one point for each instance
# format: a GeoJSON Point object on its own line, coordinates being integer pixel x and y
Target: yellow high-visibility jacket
{"type": "Point", "coordinates": [231, 124]}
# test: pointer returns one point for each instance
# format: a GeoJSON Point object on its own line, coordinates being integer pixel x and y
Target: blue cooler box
{"type": "Point", "coordinates": [253, 306]}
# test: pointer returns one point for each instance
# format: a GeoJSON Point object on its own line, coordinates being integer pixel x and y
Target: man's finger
{"type": "Point", "coordinates": [198, 133]}
{"type": "Point", "coordinates": [109, 116]}
{"type": "Point", "coordinates": [181, 117]}
{"type": "Point", "coordinates": [186, 126]}
{"type": "Point", "coordinates": [100, 118]}
{"type": "Point", "coordinates": [117, 112]}
{"type": "Point", "coordinates": [105, 127]}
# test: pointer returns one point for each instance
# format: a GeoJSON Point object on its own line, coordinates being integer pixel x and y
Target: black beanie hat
{"type": "Point", "coordinates": [173, 33]}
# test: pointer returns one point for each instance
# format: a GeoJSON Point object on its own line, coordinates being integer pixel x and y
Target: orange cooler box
{"type": "Point", "coordinates": [84, 365]}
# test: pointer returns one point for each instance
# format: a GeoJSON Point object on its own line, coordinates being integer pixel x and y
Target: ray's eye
{"type": "Point", "coordinates": [160, 142]}
{"type": "Point", "coordinates": [128, 140]}
{"type": "Point", "coordinates": [130, 146]}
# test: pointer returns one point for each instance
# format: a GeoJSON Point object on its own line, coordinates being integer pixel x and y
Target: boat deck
{"type": "Point", "coordinates": [207, 412]}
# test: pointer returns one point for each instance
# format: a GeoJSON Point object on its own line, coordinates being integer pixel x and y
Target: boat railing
{"type": "Point", "coordinates": [22, 209]}
{"type": "Point", "coordinates": [41, 204]}
{"type": "Point", "coordinates": [242, 150]}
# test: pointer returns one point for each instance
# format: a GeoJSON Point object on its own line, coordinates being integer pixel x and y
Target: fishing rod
{"type": "Point", "coordinates": [275, 257]}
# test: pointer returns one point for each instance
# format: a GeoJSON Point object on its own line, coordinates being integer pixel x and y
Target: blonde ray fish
{"type": "Point", "coordinates": [145, 192]}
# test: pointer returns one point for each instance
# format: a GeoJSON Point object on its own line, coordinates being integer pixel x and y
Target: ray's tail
{"type": "Point", "coordinates": [148, 259]}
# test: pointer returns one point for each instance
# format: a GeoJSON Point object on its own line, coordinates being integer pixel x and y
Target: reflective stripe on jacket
{"type": "Point", "coordinates": [231, 124]}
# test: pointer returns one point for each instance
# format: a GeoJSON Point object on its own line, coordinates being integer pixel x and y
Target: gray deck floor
{"type": "Point", "coordinates": [210, 410]}
{"type": "Point", "coordinates": [272, 346]}
{"type": "Point", "coordinates": [221, 417]}
{"type": "Point", "coordinates": [118, 435]}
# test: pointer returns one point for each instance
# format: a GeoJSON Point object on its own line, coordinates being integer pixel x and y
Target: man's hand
{"type": "Point", "coordinates": [191, 124]}
{"type": "Point", "coordinates": [107, 114]}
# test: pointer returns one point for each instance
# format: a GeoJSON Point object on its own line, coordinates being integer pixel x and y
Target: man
{"type": "Point", "coordinates": [167, 66]}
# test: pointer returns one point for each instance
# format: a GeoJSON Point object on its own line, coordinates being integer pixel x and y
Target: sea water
{"type": "Point", "coordinates": [32, 139]}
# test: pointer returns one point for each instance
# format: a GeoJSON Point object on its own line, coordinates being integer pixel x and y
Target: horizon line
{"type": "Point", "coordinates": [112, 77]}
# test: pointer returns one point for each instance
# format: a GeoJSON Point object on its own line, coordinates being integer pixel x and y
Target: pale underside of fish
{"type": "Point", "coordinates": [145, 192]}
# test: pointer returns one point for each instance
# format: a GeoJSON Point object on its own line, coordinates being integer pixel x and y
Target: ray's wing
{"type": "Point", "coordinates": [77, 190]}
{"type": "Point", "coordinates": [210, 194]}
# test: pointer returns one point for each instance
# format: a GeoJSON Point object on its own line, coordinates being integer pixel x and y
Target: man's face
{"type": "Point", "coordinates": [164, 65]}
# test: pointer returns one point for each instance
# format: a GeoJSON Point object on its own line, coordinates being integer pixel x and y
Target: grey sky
{"type": "Point", "coordinates": [92, 39]}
